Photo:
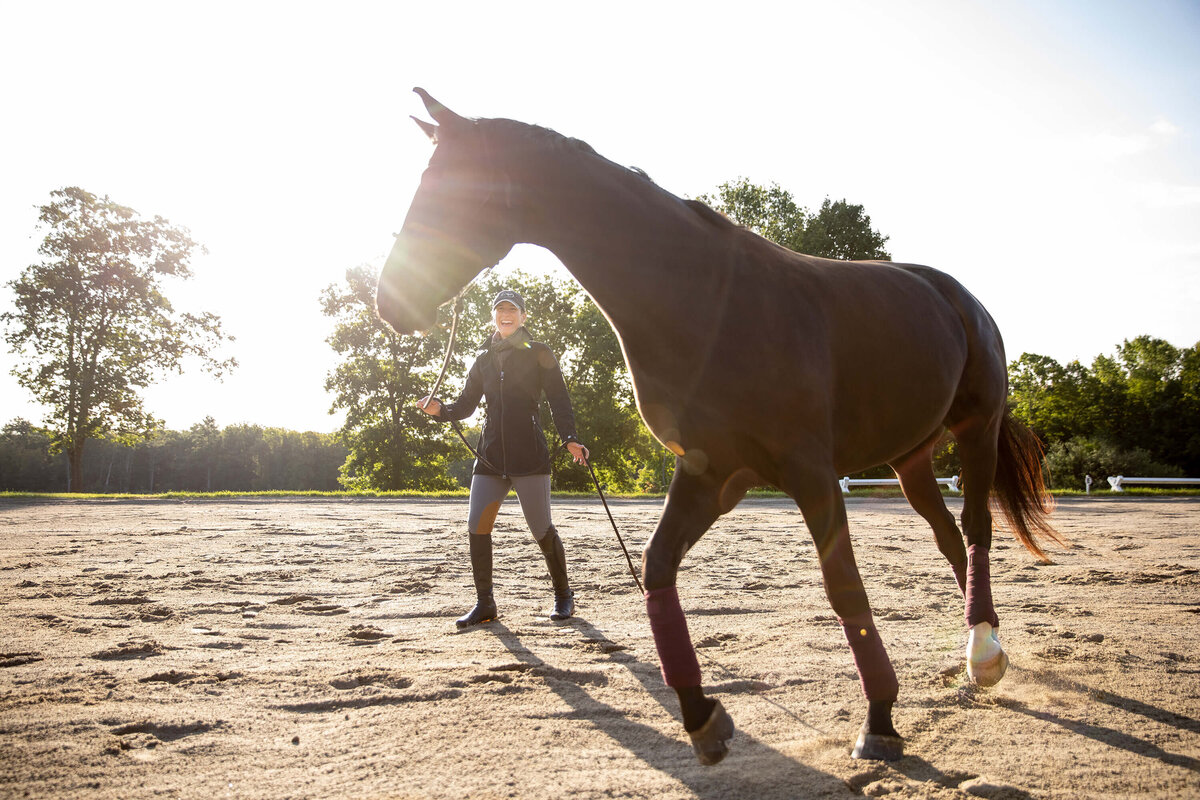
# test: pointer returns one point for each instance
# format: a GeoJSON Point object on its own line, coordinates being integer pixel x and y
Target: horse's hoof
{"type": "Point", "coordinates": [986, 659]}
{"type": "Point", "coordinates": [711, 741]}
{"type": "Point", "coordinates": [877, 747]}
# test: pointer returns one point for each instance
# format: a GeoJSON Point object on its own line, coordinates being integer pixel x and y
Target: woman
{"type": "Point", "coordinates": [512, 372]}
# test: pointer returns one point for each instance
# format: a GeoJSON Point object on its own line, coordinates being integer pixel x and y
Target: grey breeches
{"type": "Point", "coordinates": [489, 491]}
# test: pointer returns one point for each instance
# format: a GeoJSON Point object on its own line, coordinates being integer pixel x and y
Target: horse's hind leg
{"type": "Point", "coordinates": [816, 492]}
{"type": "Point", "coordinates": [986, 660]}
{"type": "Point", "coordinates": [692, 507]}
{"type": "Point", "coordinates": [920, 487]}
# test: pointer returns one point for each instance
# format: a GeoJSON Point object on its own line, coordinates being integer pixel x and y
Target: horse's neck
{"type": "Point", "coordinates": [648, 260]}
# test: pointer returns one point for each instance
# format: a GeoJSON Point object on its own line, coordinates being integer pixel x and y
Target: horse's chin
{"type": "Point", "coordinates": [404, 321]}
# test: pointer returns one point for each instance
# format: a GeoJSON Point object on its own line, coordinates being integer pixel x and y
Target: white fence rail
{"type": "Point", "coordinates": [849, 483]}
{"type": "Point", "coordinates": [1118, 481]}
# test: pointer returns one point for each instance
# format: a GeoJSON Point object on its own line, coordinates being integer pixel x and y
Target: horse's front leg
{"type": "Point", "coordinates": [820, 501]}
{"type": "Point", "coordinates": [690, 510]}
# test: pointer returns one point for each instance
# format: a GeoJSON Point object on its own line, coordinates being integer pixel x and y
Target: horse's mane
{"type": "Point", "coordinates": [552, 139]}
{"type": "Point", "coordinates": [709, 214]}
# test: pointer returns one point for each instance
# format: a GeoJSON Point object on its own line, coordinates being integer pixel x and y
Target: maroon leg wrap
{"type": "Point", "coordinates": [979, 588]}
{"type": "Point", "coordinates": [680, 669]}
{"type": "Point", "coordinates": [874, 668]}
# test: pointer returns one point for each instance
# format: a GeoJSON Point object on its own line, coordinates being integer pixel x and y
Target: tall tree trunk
{"type": "Point", "coordinates": [398, 442]}
{"type": "Point", "coordinates": [75, 468]}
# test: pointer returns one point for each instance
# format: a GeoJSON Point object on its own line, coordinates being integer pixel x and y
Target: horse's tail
{"type": "Point", "coordinates": [1018, 491]}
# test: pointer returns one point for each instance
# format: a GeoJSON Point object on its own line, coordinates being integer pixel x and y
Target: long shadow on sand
{"type": "Point", "coordinates": [1111, 736]}
{"type": "Point", "coordinates": [752, 769]}
{"type": "Point", "coordinates": [1108, 736]}
{"type": "Point", "coordinates": [1053, 680]}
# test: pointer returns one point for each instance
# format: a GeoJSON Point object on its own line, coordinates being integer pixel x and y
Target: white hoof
{"type": "Point", "coordinates": [986, 660]}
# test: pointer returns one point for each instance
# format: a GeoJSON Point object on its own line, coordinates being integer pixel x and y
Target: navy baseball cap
{"type": "Point", "coordinates": [508, 295]}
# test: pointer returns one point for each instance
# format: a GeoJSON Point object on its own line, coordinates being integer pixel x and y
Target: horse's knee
{"type": "Point", "coordinates": [839, 574]}
{"type": "Point", "coordinates": [660, 566]}
{"type": "Point", "coordinates": [848, 600]}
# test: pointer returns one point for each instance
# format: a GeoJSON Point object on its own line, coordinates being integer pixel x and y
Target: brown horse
{"type": "Point", "coordinates": [753, 364]}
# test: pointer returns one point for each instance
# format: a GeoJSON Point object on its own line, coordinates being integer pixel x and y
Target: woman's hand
{"type": "Point", "coordinates": [578, 452]}
{"type": "Point", "coordinates": [429, 406]}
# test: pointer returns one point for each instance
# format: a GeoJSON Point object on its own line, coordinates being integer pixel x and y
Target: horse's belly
{"type": "Point", "coordinates": [894, 389]}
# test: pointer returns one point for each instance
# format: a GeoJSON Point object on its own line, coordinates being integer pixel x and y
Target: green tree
{"type": "Point", "coordinates": [26, 464]}
{"type": "Point", "coordinates": [205, 439]}
{"type": "Point", "coordinates": [769, 211]}
{"type": "Point", "coordinates": [1052, 399]}
{"type": "Point", "coordinates": [93, 326]}
{"type": "Point", "coordinates": [843, 230]}
{"type": "Point", "coordinates": [1137, 410]}
{"type": "Point", "coordinates": [838, 230]}
{"type": "Point", "coordinates": [1157, 416]}
{"type": "Point", "coordinates": [392, 444]}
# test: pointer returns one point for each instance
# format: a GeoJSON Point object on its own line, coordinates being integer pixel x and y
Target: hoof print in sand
{"type": "Point", "coordinates": [323, 609]}
{"type": "Point", "coordinates": [293, 599]}
{"type": "Point", "coordinates": [578, 677]}
{"type": "Point", "coordinates": [411, 587]}
{"type": "Point", "coordinates": [155, 614]}
{"type": "Point", "coordinates": [17, 659]}
{"type": "Point", "coordinates": [168, 732]}
{"type": "Point", "coordinates": [122, 600]}
{"type": "Point", "coordinates": [171, 676]}
{"type": "Point", "coordinates": [367, 634]}
{"type": "Point", "coordinates": [127, 650]}
{"type": "Point", "coordinates": [604, 645]}
{"type": "Point", "coordinates": [356, 679]}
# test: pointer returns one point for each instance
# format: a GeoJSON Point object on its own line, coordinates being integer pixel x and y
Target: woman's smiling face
{"type": "Point", "coordinates": [508, 318]}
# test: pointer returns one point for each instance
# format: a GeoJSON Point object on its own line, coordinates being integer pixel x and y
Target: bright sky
{"type": "Point", "coordinates": [1044, 152]}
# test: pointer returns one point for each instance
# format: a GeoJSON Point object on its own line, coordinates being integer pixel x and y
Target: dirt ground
{"type": "Point", "coordinates": [271, 649]}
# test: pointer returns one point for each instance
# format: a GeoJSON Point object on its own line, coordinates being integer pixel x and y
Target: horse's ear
{"type": "Point", "coordinates": [429, 128]}
{"type": "Point", "coordinates": [441, 115]}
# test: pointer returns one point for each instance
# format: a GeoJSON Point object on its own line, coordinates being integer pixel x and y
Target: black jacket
{"type": "Point", "coordinates": [512, 375]}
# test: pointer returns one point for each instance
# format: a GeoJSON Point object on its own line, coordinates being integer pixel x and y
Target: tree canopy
{"type": "Point", "coordinates": [203, 458]}
{"type": "Point", "coordinates": [838, 229]}
{"type": "Point", "coordinates": [93, 325]}
{"type": "Point", "coordinates": [1134, 412]}
{"type": "Point", "coordinates": [392, 444]}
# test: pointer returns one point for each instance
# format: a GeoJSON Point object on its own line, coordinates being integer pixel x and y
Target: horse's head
{"type": "Point", "coordinates": [458, 224]}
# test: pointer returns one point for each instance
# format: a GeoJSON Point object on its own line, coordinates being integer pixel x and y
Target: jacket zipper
{"type": "Point", "coordinates": [503, 446]}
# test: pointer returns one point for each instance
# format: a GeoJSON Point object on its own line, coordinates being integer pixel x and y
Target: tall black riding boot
{"type": "Point", "coordinates": [481, 570]}
{"type": "Point", "coordinates": [556, 561]}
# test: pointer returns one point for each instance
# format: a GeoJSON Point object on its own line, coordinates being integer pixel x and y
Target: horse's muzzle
{"type": "Point", "coordinates": [400, 316]}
